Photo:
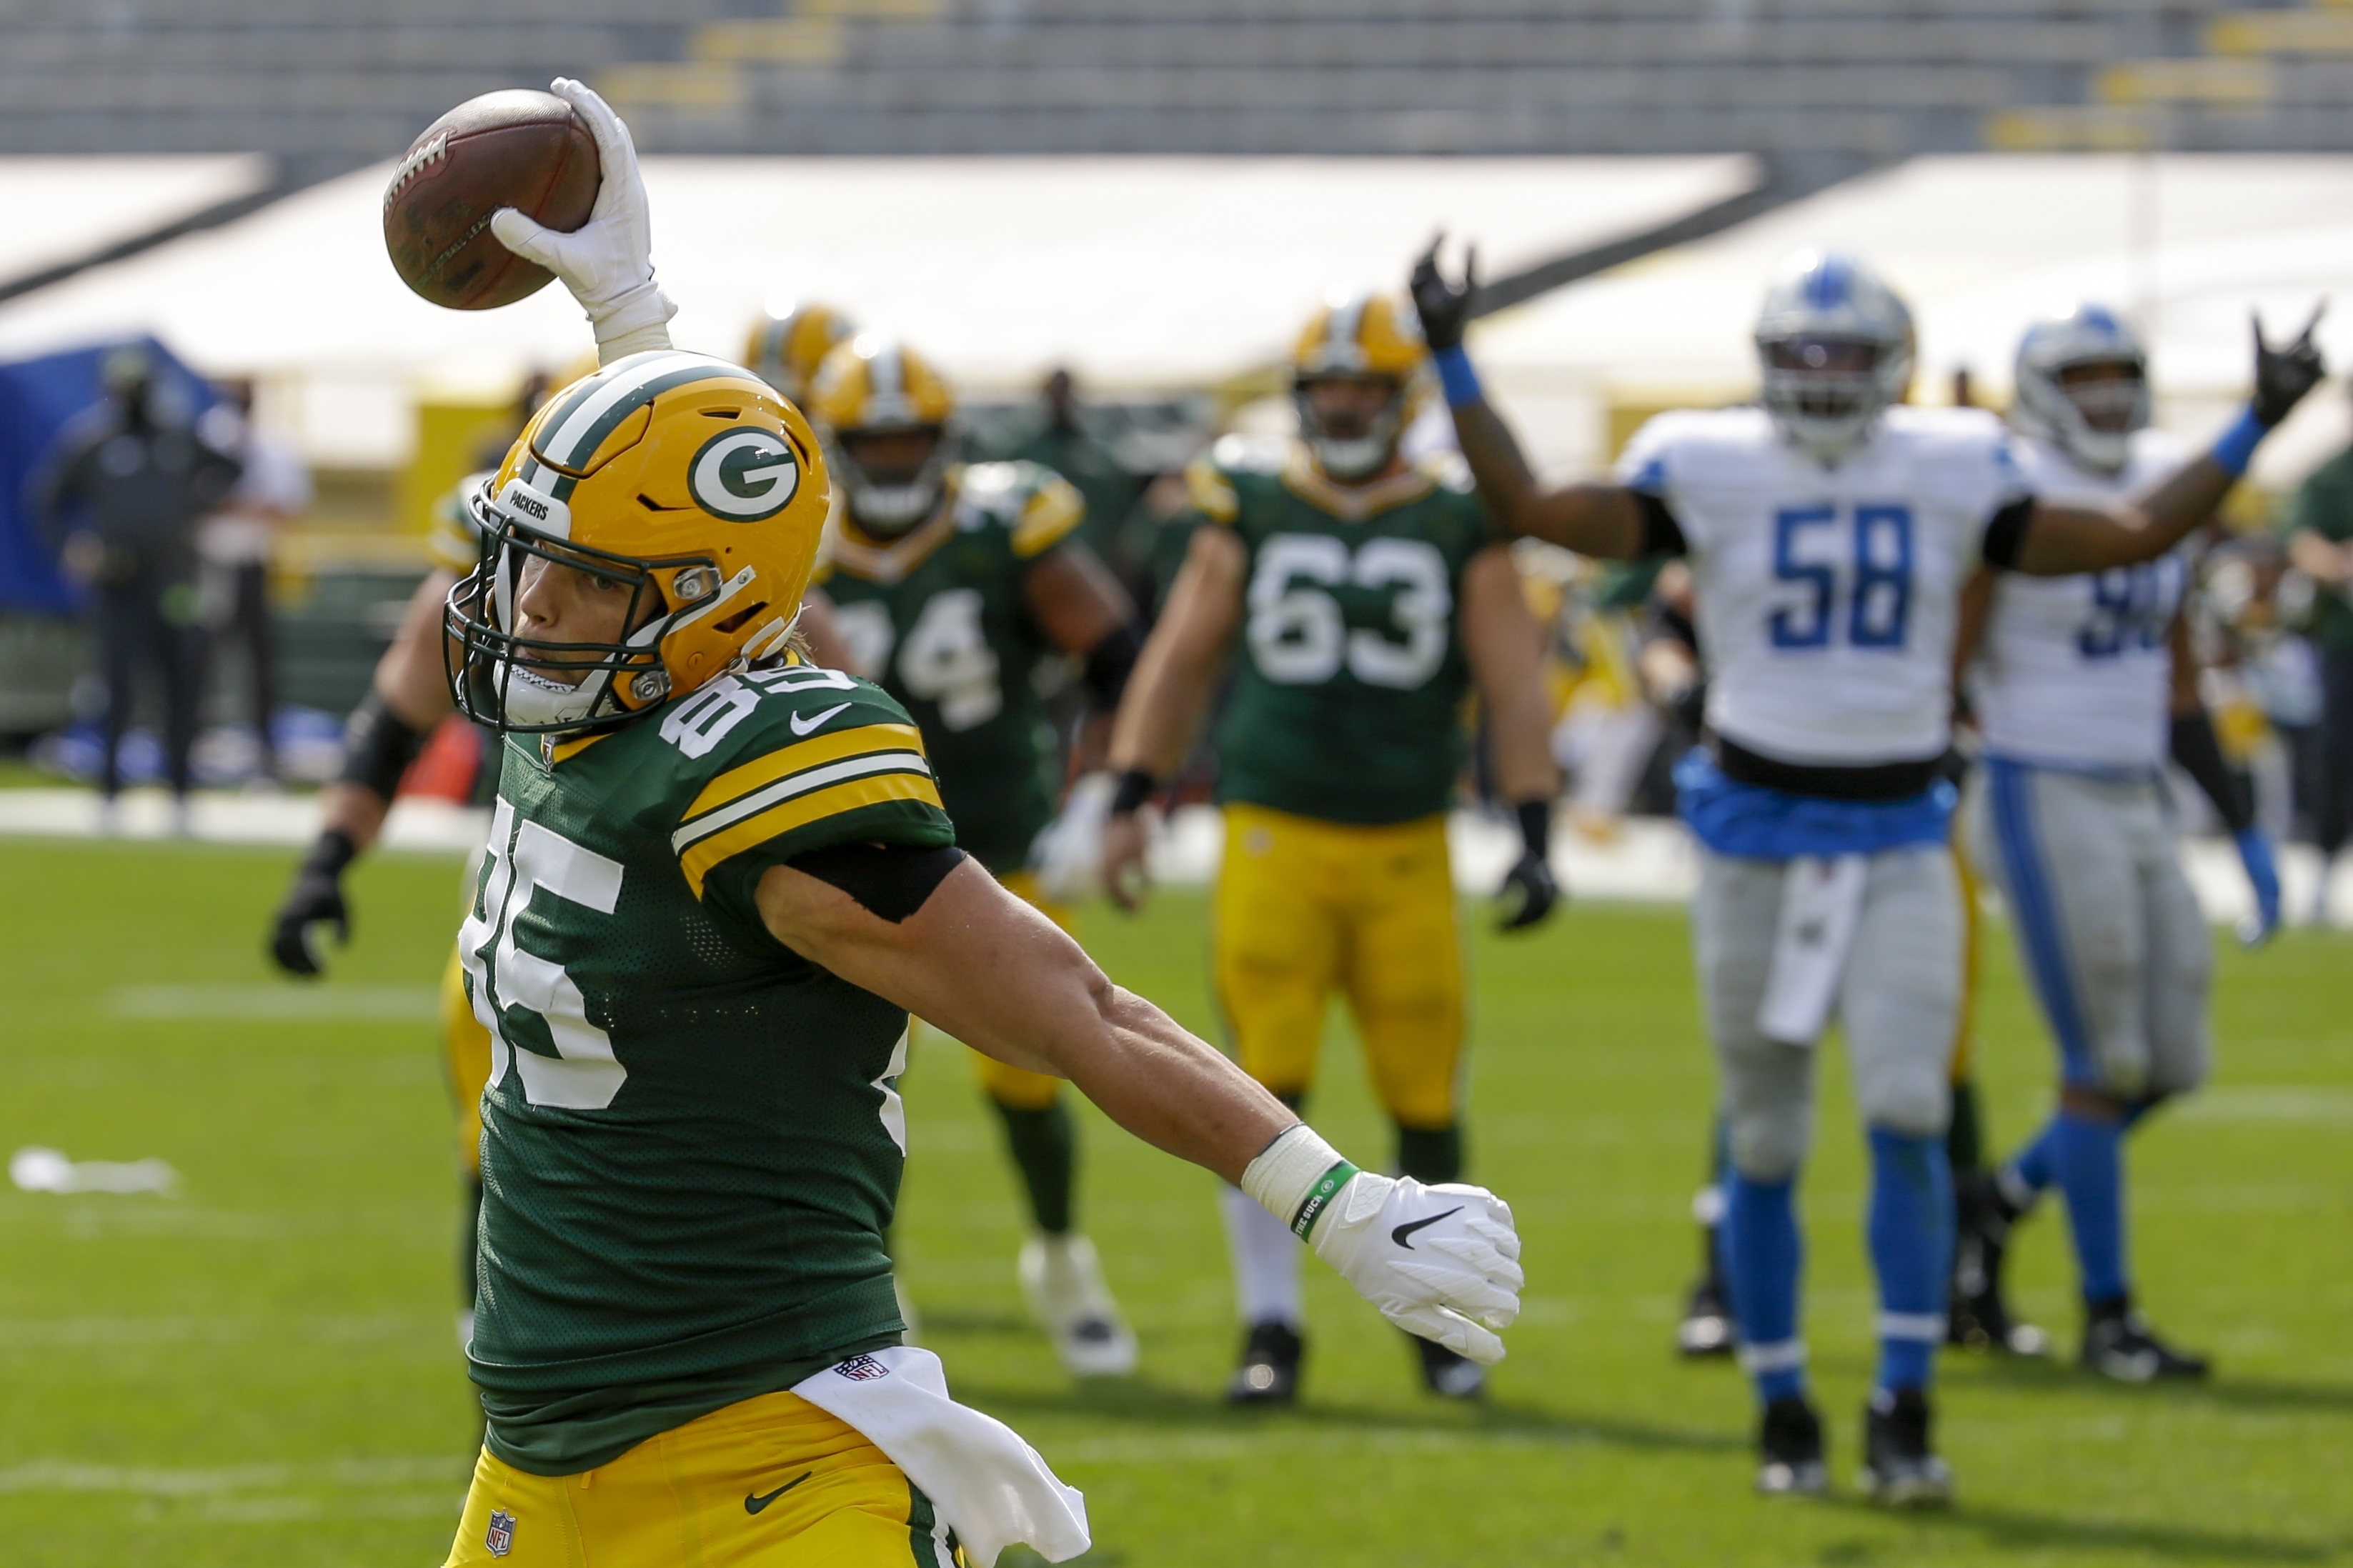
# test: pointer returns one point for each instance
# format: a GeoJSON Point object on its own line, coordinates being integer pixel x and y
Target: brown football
{"type": "Point", "coordinates": [517, 149]}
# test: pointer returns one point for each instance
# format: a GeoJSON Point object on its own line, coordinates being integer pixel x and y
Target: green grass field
{"type": "Point", "coordinates": [261, 1369]}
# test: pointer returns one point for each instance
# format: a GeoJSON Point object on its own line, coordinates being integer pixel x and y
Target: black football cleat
{"type": "Point", "coordinates": [2119, 1344]}
{"type": "Point", "coordinates": [1447, 1374]}
{"type": "Point", "coordinates": [1978, 1315]}
{"type": "Point", "coordinates": [1705, 1327]}
{"type": "Point", "coordinates": [1899, 1468]}
{"type": "Point", "coordinates": [1269, 1373]}
{"type": "Point", "coordinates": [1789, 1449]}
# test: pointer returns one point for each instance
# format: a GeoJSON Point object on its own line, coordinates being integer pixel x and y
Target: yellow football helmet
{"type": "Point", "coordinates": [785, 351]}
{"type": "Point", "coordinates": [678, 476]}
{"type": "Point", "coordinates": [876, 386]}
{"type": "Point", "coordinates": [1361, 337]}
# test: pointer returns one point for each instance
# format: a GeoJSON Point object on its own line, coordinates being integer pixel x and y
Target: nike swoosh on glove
{"type": "Point", "coordinates": [607, 262]}
{"type": "Point", "coordinates": [1442, 1262]}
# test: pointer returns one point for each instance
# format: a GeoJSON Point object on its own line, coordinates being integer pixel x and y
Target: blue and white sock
{"type": "Point", "coordinates": [2088, 1154]}
{"type": "Point", "coordinates": [1763, 1258]}
{"type": "Point", "coordinates": [1911, 1231]}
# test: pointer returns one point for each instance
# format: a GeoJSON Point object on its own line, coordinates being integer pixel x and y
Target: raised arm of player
{"type": "Point", "coordinates": [1592, 520]}
{"type": "Point", "coordinates": [1506, 648]}
{"type": "Point", "coordinates": [1169, 694]}
{"type": "Point", "coordinates": [408, 695]}
{"type": "Point", "coordinates": [975, 960]}
{"type": "Point", "coordinates": [2060, 540]}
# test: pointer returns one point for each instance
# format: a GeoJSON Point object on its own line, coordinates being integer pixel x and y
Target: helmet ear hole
{"type": "Point", "coordinates": [740, 619]}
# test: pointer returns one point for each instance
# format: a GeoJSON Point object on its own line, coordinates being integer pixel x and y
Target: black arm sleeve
{"type": "Point", "coordinates": [1111, 661]}
{"type": "Point", "coordinates": [2201, 756]}
{"type": "Point", "coordinates": [1661, 534]}
{"type": "Point", "coordinates": [377, 748]}
{"type": "Point", "coordinates": [892, 880]}
{"type": "Point", "coordinates": [2005, 534]}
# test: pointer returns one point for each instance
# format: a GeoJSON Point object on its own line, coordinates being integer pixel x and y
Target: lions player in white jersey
{"type": "Point", "coordinates": [2080, 687]}
{"type": "Point", "coordinates": [1828, 533]}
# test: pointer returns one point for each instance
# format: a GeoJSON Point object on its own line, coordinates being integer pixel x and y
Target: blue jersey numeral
{"type": "Point", "coordinates": [2128, 611]}
{"type": "Point", "coordinates": [1877, 587]}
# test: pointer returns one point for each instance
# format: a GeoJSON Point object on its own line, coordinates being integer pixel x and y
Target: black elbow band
{"type": "Point", "coordinates": [892, 880]}
{"type": "Point", "coordinates": [2200, 753]}
{"type": "Point", "coordinates": [1111, 661]}
{"type": "Point", "coordinates": [2005, 534]}
{"type": "Point", "coordinates": [1661, 534]}
{"type": "Point", "coordinates": [379, 748]}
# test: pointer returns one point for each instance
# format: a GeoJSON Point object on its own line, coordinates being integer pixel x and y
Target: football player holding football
{"type": "Point", "coordinates": [718, 881]}
{"type": "Point", "coordinates": [2082, 685]}
{"type": "Point", "coordinates": [1830, 532]}
{"type": "Point", "coordinates": [1368, 595]}
{"type": "Point", "coordinates": [950, 586]}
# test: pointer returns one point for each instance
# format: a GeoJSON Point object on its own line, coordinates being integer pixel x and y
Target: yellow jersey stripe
{"type": "Point", "coordinates": [801, 783]}
{"type": "Point", "coordinates": [799, 811]}
{"type": "Point", "coordinates": [778, 765]}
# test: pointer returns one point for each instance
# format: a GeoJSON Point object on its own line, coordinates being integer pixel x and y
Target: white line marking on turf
{"type": "Point", "coordinates": [2271, 1103]}
{"type": "Point", "coordinates": [178, 1481]}
{"type": "Point", "coordinates": [287, 1001]}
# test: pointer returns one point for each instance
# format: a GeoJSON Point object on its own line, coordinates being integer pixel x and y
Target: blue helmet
{"type": "Point", "coordinates": [1836, 348]}
{"type": "Point", "coordinates": [2082, 384]}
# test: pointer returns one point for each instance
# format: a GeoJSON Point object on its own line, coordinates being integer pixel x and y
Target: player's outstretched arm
{"type": "Point", "coordinates": [1168, 695]}
{"type": "Point", "coordinates": [1504, 643]}
{"type": "Point", "coordinates": [408, 695]}
{"type": "Point", "coordinates": [2061, 540]}
{"type": "Point", "coordinates": [1592, 520]}
{"type": "Point", "coordinates": [973, 960]}
{"type": "Point", "coordinates": [2199, 752]}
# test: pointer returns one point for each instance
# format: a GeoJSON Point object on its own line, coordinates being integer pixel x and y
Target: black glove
{"type": "Point", "coordinates": [316, 898]}
{"type": "Point", "coordinates": [2283, 375]}
{"type": "Point", "coordinates": [1531, 875]}
{"type": "Point", "coordinates": [1444, 308]}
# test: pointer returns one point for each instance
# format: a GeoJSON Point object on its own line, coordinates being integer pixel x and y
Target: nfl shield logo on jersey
{"type": "Point", "coordinates": [861, 1369]}
{"type": "Point", "coordinates": [500, 1537]}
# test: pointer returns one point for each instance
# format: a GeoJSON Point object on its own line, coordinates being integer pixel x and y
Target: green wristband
{"type": "Point", "coordinates": [1310, 1208]}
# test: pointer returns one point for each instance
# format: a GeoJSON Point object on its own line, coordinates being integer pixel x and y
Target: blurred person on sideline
{"type": "Point", "coordinates": [1061, 441]}
{"type": "Point", "coordinates": [125, 484]}
{"type": "Point", "coordinates": [235, 544]}
{"type": "Point", "coordinates": [2319, 528]}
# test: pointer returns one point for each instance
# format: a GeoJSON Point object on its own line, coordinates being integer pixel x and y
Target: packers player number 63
{"type": "Point", "coordinates": [720, 881]}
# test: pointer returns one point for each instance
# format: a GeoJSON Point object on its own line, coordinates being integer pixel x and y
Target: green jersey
{"type": "Point", "coordinates": [2325, 505]}
{"type": "Point", "coordinates": [938, 617]}
{"type": "Point", "coordinates": [1349, 702]}
{"type": "Point", "coordinates": [691, 1138]}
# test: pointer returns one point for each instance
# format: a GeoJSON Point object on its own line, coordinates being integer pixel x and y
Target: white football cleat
{"type": "Point", "coordinates": [1063, 1281]}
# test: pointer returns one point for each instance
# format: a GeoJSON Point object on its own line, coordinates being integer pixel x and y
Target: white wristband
{"type": "Point", "coordinates": [1295, 1177]}
{"type": "Point", "coordinates": [635, 322]}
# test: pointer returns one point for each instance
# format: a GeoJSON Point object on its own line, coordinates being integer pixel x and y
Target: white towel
{"type": "Point", "coordinates": [1822, 904]}
{"type": "Point", "coordinates": [990, 1487]}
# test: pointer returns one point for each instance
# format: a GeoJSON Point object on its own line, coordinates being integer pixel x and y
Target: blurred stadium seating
{"type": "Point", "coordinates": [328, 86]}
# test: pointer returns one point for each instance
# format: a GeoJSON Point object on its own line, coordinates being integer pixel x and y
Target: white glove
{"type": "Point", "coordinates": [607, 262]}
{"type": "Point", "coordinates": [1437, 1261]}
{"type": "Point", "coordinates": [1067, 855]}
{"type": "Point", "coordinates": [1442, 1262]}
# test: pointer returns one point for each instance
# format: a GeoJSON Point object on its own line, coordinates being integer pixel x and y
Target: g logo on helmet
{"type": "Point", "coordinates": [745, 475]}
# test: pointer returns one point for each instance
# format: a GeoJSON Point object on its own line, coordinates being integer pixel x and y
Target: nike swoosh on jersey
{"type": "Point", "coordinates": [754, 1504]}
{"type": "Point", "coordinates": [802, 725]}
{"type": "Point", "coordinates": [1403, 1232]}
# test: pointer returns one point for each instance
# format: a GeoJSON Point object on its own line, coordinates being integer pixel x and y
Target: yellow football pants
{"type": "Point", "coordinates": [466, 1048]}
{"type": "Point", "coordinates": [1303, 908]}
{"type": "Point", "coordinates": [772, 1482]}
{"type": "Point", "coordinates": [1011, 1086]}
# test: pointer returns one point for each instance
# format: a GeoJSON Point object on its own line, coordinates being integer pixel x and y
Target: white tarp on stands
{"type": "Point", "coordinates": [61, 209]}
{"type": "Point", "coordinates": [1141, 272]}
{"type": "Point", "coordinates": [2186, 244]}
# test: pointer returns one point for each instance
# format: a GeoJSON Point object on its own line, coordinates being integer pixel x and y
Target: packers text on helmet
{"type": "Point", "coordinates": [680, 478]}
